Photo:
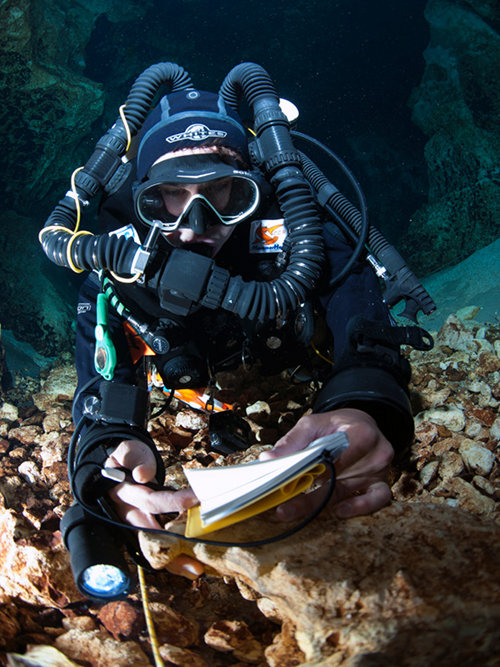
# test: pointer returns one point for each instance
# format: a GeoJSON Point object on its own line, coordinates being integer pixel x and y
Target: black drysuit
{"type": "Point", "coordinates": [372, 377]}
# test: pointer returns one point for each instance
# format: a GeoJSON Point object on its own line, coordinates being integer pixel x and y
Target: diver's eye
{"type": "Point", "coordinates": [179, 193]}
{"type": "Point", "coordinates": [217, 187]}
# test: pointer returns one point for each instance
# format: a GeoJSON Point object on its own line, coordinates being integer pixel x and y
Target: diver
{"type": "Point", "coordinates": [221, 243]}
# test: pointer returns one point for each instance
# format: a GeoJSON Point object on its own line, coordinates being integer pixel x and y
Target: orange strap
{"type": "Point", "coordinates": [138, 348]}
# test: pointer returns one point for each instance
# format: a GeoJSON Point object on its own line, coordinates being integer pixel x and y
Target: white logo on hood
{"type": "Point", "coordinates": [196, 132]}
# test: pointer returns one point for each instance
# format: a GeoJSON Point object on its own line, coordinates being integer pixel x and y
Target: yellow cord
{"type": "Point", "coordinates": [126, 126]}
{"type": "Point", "coordinates": [68, 250]}
{"type": "Point", "coordinates": [322, 356]}
{"type": "Point", "coordinates": [74, 233]}
{"type": "Point", "coordinates": [77, 201]}
{"type": "Point", "coordinates": [52, 228]}
{"type": "Point", "coordinates": [132, 279]}
{"type": "Point", "coordinates": [149, 621]}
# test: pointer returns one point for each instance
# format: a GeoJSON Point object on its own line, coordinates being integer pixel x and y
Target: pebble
{"type": "Point", "coordinates": [451, 465]}
{"type": "Point", "coordinates": [451, 417]}
{"type": "Point", "coordinates": [473, 429]}
{"type": "Point", "coordinates": [426, 433]}
{"type": "Point", "coordinates": [476, 457]}
{"type": "Point", "coordinates": [470, 499]}
{"type": "Point", "coordinates": [29, 471]}
{"type": "Point", "coordinates": [468, 313]}
{"type": "Point", "coordinates": [495, 429]}
{"type": "Point", "coordinates": [428, 472]}
{"type": "Point", "coordinates": [258, 408]}
{"type": "Point", "coordinates": [455, 335]}
{"type": "Point", "coordinates": [190, 420]}
{"type": "Point", "coordinates": [9, 412]}
{"type": "Point", "coordinates": [484, 485]}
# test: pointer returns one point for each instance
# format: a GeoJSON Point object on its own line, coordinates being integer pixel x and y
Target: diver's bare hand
{"type": "Point", "coordinates": [138, 504]}
{"type": "Point", "coordinates": [361, 471]}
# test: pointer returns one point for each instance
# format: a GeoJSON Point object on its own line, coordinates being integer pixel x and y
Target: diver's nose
{"type": "Point", "coordinates": [197, 217]}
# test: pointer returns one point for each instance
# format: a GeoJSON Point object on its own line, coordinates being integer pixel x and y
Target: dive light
{"type": "Point", "coordinates": [99, 568]}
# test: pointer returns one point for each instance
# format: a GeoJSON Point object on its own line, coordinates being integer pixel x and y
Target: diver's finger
{"type": "Point", "coordinates": [135, 516]}
{"type": "Point", "coordinates": [374, 498]}
{"type": "Point", "coordinates": [136, 456]}
{"type": "Point", "coordinates": [299, 437]}
{"type": "Point", "coordinates": [153, 502]}
{"type": "Point", "coordinates": [302, 505]}
{"type": "Point", "coordinates": [186, 567]}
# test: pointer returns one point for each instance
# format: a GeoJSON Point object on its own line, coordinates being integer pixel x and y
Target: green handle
{"type": "Point", "coordinates": [105, 353]}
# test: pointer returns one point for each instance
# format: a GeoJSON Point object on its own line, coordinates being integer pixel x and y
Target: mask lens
{"type": "Point", "coordinates": [231, 198]}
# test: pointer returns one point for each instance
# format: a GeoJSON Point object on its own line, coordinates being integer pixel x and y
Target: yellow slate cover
{"type": "Point", "coordinates": [195, 526]}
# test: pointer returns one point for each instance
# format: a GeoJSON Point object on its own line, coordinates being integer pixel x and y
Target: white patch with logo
{"type": "Point", "coordinates": [129, 232]}
{"type": "Point", "coordinates": [267, 236]}
{"type": "Point", "coordinates": [196, 132]}
{"type": "Point", "coordinates": [83, 308]}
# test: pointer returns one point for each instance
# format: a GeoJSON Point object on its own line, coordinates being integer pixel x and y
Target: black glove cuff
{"type": "Point", "coordinates": [377, 393]}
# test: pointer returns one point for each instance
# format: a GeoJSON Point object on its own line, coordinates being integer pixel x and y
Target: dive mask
{"type": "Point", "coordinates": [179, 187]}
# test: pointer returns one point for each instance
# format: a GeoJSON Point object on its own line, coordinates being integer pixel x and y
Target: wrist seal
{"type": "Point", "coordinates": [377, 393]}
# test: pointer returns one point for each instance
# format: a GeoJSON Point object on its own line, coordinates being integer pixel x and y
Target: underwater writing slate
{"type": "Point", "coordinates": [229, 494]}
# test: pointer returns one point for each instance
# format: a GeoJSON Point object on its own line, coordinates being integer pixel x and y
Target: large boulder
{"type": "Point", "coordinates": [394, 585]}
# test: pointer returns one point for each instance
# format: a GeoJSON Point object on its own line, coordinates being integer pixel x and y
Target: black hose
{"type": "Point", "coordinates": [270, 123]}
{"type": "Point", "coordinates": [282, 163]}
{"type": "Point", "coordinates": [146, 86]}
{"type": "Point", "coordinates": [402, 282]}
{"type": "Point", "coordinates": [103, 252]}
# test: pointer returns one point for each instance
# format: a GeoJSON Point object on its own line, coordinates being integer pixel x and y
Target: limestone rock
{"type": "Point", "coordinates": [41, 656]}
{"type": "Point", "coordinates": [121, 619]}
{"type": "Point", "coordinates": [35, 565]}
{"type": "Point", "coordinates": [9, 412]}
{"type": "Point", "coordinates": [373, 585]}
{"type": "Point", "coordinates": [227, 636]}
{"type": "Point", "coordinates": [181, 656]}
{"type": "Point", "coordinates": [173, 627]}
{"type": "Point", "coordinates": [477, 458]}
{"type": "Point", "coordinates": [452, 417]}
{"type": "Point", "coordinates": [258, 411]}
{"type": "Point", "coordinates": [451, 465]}
{"type": "Point", "coordinates": [97, 649]}
{"type": "Point", "coordinates": [59, 386]}
{"type": "Point", "coordinates": [428, 472]}
{"type": "Point", "coordinates": [190, 420]}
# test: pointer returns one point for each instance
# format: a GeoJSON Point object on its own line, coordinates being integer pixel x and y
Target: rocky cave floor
{"type": "Point", "coordinates": [212, 621]}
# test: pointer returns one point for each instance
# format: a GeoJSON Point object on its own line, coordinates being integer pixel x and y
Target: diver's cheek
{"type": "Point", "coordinates": [222, 235]}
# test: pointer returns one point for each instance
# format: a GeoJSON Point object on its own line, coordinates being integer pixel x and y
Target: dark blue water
{"type": "Point", "coordinates": [349, 66]}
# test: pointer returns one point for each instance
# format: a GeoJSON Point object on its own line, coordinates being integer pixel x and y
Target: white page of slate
{"type": "Point", "coordinates": [218, 486]}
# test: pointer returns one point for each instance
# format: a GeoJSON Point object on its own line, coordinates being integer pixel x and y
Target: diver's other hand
{"type": "Point", "coordinates": [138, 504]}
{"type": "Point", "coordinates": [361, 470]}
{"type": "Point", "coordinates": [135, 456]}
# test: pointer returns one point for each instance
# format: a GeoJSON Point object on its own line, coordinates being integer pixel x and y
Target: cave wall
{"type": "Point", "coordinates": [457, 105]}
{"type": "Point", "coordinates": [47, 117]}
